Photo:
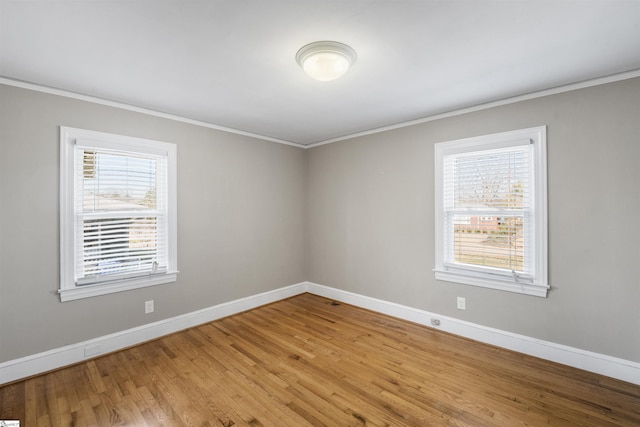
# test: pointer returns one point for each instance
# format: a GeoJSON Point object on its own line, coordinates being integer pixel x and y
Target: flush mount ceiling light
{"type": "Point", "coordinates": [326, 61]}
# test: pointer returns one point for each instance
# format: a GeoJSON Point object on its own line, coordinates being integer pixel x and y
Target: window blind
{"type": "Point", "coordinates": [487, 201]}
{"type": "Point", "coordinates": [120, 214]}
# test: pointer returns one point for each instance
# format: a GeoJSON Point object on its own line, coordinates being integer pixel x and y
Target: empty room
{"type": "Point", "coordinates": [319, 213]}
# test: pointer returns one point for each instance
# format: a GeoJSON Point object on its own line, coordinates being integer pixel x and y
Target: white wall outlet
{"type": "Point", "coordinates": [148, 307]}
{"type": "Point", "coordinates": [462, 303]}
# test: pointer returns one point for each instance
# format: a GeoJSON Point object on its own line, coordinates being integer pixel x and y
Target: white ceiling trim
{"type": "Point", "coordinates": [96, 100]}
{"type": "Point", "coordinates": [557, 90]}
{"type": "Point", "coordinates": [533, 95]}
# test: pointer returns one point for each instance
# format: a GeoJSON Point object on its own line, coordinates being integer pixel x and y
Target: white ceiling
{"type": "Point", "coordinates": [232, 63]}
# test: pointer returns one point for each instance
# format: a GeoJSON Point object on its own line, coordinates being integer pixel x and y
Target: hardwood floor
{"type": "Point", "coordinates": [309, 361]}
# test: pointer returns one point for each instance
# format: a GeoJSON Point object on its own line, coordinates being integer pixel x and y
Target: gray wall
{"type": "Point", "coordinates": [371, 219]}
{"type": "Point", "coordinates": [241, 221]}
{"type": "Point", "coordinates": [356, 215]}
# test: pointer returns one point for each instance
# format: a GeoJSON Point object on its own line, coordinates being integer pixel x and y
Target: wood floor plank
{"type": "Point", "coordinates": [11, 406]}
{"type": "Point", "coordinates": [310, 361]}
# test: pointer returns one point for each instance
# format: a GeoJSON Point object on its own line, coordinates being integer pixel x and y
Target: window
{"type": "Point", "coordinates": [118, 213]}
{"type": "Point", "coordinates": [491, 211]}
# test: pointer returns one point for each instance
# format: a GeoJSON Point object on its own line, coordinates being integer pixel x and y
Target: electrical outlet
{"type": "Point", "coordinates": [148, 307]}
{"type": "Point", "coordinates": [462, 303]}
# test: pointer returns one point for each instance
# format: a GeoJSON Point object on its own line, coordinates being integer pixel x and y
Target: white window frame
{"type": "Point", "coordinates": [537, 284]}
{"type": "Point", "coordinates": [69, 137]}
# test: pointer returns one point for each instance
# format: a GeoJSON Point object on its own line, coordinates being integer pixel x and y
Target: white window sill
{"type": "Point", "coordinates": [502, 285]}
{"type": "Point", "coordinates": [87, 291]}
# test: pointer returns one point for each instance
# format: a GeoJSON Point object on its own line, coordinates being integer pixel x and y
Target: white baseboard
{"type": "Point", "coordinates": [53, 359]}
{"type": "Point", "coordinates": [609, 366]}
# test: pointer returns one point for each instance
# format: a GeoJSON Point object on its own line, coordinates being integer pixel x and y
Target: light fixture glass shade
{"type": "Point", "coordinates": [326, 60]}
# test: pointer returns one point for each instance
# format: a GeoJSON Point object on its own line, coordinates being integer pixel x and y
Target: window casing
{"type": "Point", "coordinates": [118, 213]}
{"type": "Point", "coordinates": [491, 211]}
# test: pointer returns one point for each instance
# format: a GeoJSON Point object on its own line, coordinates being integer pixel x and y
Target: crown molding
{"type": "Point", "coordinates": [148, 111]}
{"type": "Point", "coordinates": [533, 95]}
